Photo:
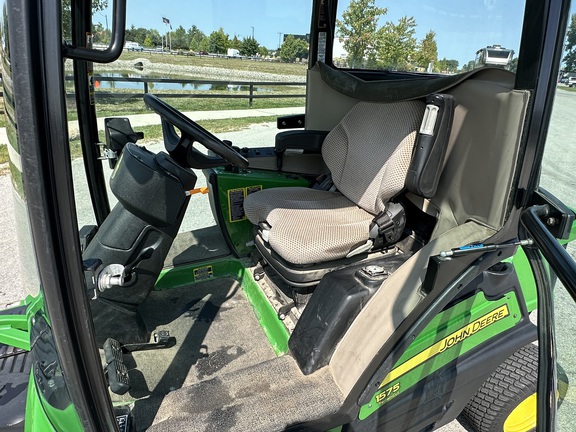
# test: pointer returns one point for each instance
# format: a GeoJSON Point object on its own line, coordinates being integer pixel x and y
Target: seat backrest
{"type": "Point", "coordinates": [482, 154]}
{"type": "Point", "coordinates": [470, 201]}
{"type": "Point", "coordinates": [369, 151]}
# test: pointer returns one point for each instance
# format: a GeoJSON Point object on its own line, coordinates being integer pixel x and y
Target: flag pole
{"type": "Point", "coordinates": [168, 34]}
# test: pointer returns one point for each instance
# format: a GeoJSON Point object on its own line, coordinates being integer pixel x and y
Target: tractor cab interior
{"type": "Point", "coordinates": [371, 263]}
{"type": "Point", "coordinates": [405, 180]}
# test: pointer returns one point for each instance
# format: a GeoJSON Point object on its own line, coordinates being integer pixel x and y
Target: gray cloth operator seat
{"type": "Point", "coordinates": [368, 154]}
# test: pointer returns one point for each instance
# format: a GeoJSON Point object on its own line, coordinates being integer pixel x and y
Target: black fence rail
{"type": "Point", "coordinates": [231, 86]}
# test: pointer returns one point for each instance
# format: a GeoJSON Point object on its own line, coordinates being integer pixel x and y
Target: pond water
{"type": "Point", "coordinates": [166, 86]}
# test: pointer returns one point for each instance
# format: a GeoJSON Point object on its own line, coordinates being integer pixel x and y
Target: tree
{"type": "Point", "coordinates": [101, 35]}
{"type": "Point", "coordinates": [204, 44]}
{"type": "Point", "coordinates": [148, 42]}
{"type": "Point", "coordinates": [136, 34]}
{"type": "Point", "coordinates": [397, 44]}
{"type": "Point", "coordinates": [262, 51]}
{"type": "Point", "coordinates": [570, 57]}
{"type": "Point", "coordinates": [427, 51]}
{"type": "Point", "coordinates": [180, 39]}
{"type": "Point", "coordinates": [218, 42]}
{"type": "Point", "coordinates": [153, 37]}
{"type": "Point", "coordinates": [471, 65]}
{"type": "Point", "coordinates": [452, 66]}
{"type": "Point", "coordinates": [97, 6]}
{"type": "Point", "coordinates": [293, 48]}
{"type": "Point", "coordinates": [195, 36]}
{"type": "Point", "coordinates": [357, 30]}
{"type": "Point", "coordinates": [235, 43]}
{"type": "Point", "coordinates": [249, 46]}
{"type": "Point", "coordinates": [447, 66]}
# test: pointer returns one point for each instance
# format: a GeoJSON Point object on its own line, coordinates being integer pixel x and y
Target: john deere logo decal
{"type": "Point", "coordinates": [448, 342]}
{"type": "Point", "coordinates": [472, 328]}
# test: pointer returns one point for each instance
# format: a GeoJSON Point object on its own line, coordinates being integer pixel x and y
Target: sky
{"type": "Point", "coordinates": [236, 17]}
{"type": "Point", "coordinates": [462, 26]}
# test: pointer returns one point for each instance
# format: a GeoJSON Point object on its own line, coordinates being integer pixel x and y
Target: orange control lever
{"type": "Point", "coordinates": [202, 190]}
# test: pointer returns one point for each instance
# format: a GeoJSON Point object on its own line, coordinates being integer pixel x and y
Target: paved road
{"type": "Point", "coordinates": [557, 176]}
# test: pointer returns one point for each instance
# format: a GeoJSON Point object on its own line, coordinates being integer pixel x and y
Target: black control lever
{"type": "Point", "coordinates": [119, 132]}
{"type": "Point", "coordinates": [118, 274]}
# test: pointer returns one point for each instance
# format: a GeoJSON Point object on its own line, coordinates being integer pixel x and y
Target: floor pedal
{"type": "Point", "coordinates": [160, 340]}
{"type": "Point", "coordinates": [115, 368]}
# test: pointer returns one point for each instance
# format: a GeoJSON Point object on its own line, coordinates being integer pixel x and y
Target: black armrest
{"type": "Point", "coordinates": [430, 147]}
{"type": "Point", "coordinates": [308, 140]}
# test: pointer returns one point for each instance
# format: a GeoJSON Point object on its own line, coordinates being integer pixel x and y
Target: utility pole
{"type": "Point", "coordinates": [279, 37]}
{"type": "Point", "coordinates": [252, 32]}
{"type": "Point", "coordinates": [106, 17]}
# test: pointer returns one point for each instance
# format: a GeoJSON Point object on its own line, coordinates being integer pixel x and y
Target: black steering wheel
{"type": "Point", "coordinates": [181, 148]}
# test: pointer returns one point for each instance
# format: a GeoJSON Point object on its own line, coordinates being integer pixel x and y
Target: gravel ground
{"type": "Point", "coordinates": [11, 287]}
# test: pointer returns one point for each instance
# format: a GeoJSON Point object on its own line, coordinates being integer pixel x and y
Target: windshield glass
{"type": "Point", "coordinates": [427, 36]}
{"type": "Point", "coordinates": [223, 65]}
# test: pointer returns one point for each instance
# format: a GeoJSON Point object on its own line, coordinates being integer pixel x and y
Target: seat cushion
{"type": "Point", "coordinates": [307, 225]}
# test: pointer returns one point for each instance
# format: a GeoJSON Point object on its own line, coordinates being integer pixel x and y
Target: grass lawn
{"type": "Point", "coordinates": [115, 107]}
{"type": "Point", "coordinates": [132, 103]}
{"type": "Point", "coordinates": [135, 105]}
{"type": "Point", "coordinates": [3, 153]}
{"type": "Point", "coordinates": [153, 133]}
{"type": "Point", "coordinates": [224, 63]}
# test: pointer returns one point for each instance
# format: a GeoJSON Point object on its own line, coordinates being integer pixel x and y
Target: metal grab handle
{"type": "Point", "coordinates": [565, 268]}
{"type": "Point", "coordinates": [558, 258]}
{"type": "Point", "coordinates": [116, 43]}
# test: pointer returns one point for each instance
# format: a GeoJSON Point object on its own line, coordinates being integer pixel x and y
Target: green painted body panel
{"type": "Point", "coordinates": [14, 331]}
{"type": "Point", "coordinates": [449, 335]}
{"type": "Point", "coordinates": [41, 417]}
{"type": "Point", "coordinates": [181, 276]}
{"type": "Point", "coordinates": [526, 278]}
{"type": "Point", "coordinates": [274, 328]}
{"type": "Point", "coordinates": [233, 188]}
{"type": "Point", "coordinates": [35, 418]}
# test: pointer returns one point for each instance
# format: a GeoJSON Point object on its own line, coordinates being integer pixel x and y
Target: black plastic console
{"type": "Point", "coordinates": [337, 300]}
{"type": "Point", "coordinates": [151, 190]}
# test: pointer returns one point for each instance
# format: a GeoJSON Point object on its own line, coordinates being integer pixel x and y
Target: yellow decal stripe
{"type": "Point", "coordinates": [447, 343]}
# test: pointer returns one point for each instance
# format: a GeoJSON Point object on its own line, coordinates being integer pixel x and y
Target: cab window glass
{"type": "Point", "coordinates": [557, 177]}
{"type": "Point", "coordinates": [445, 36]}
{"type": "Point", "coordinates": [202, 58]}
